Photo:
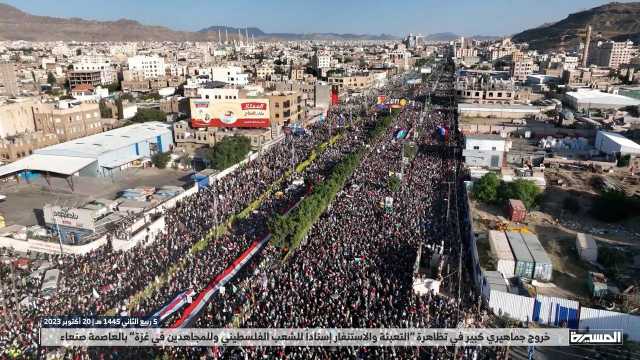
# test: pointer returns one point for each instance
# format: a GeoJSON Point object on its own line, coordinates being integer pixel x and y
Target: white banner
{"type": "Point", "coordinates": [302, 337]}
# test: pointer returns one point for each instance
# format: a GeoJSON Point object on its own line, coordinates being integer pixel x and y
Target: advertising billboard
{"type": "Point", "coordinates": [71, 217]}
{"type": "Point", "coordinates": [245, 113]}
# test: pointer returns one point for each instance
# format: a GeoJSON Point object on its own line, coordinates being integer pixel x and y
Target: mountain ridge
{"type": "Point", "coordinates": [16, 24]}
{"type": "Point", "coordinates": [615, 21]}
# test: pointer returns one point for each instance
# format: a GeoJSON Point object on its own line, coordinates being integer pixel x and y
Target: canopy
{"type": "Point", "coordinates": [65, 165]}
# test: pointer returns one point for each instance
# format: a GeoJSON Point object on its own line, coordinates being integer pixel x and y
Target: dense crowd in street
{"type": "Point", "coordinates": [105, 279]}
{"type": "Point", "coordinates": [355, 268]}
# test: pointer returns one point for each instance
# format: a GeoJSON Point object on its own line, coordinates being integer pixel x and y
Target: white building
{"type": "Point", "coordinates": [589, 99]}
{"type": "Point", "coordinates": [128, 49]}
{"type": "Point", "coordinates": [485, 150]}
{"type": "Point", "coordinates": [230, 74]}
{"type": "Point", "coordinates": [97, 63]}
{"type": "Point", "coordinates": [150, 66]}
{"type": "Point", "coordinates": [219, 93]}
{"type": "Point", "coordinates": [612, 143]}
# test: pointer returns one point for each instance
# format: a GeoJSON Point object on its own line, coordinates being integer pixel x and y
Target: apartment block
{"type": "Point", "coordinates": [68, 120]}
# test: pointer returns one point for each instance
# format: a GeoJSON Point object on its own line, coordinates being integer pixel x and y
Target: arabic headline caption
{"type": "Point", "coordinates": [302, 337]}
{"type": "Point", "coordinates": [105, 322]}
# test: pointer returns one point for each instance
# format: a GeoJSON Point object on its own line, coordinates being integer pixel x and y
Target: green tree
{"type": "Point", "coordinates": [614, 206]}
{"type": "Point", "coordinates": [146, 115]}
{"type": "Point", "coordinates": [486, 189]}
{"type": "Point", "coordinates": [105, 111]}
{"type": "Point", "coordinates": [624, 160]}
{"type": "Point", "coordinates": [394, 183]}
{"type": "Point", "coordinates": [160, 160]}
{"type": "Point", "coordinates": [120, 108]}
{"type": "Point", "coordinates": [571, 204]}
{"type": "Point", "coordinates": [524, 190]}
{"type": "Point", "coordinates": [230, 151]}
{"type": "Point", "coordinates": [51, 79]}
{"type": "Point", "coordinates": [114, 87]}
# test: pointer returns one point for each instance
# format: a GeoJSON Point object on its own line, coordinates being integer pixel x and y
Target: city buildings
{"type": "Point", "coordinates": [611, 54]}
{"type": "Point", "coordinates": [286, 108]}
{"type": "Point", "coordinates": [146, 67]}
{"type": "Point", "coordinates": [8, 81]}
{"type": "Point", "coordinates": [104, 154]}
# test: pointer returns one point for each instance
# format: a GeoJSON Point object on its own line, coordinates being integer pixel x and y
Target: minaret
{"type": "Point", "coordinates": [219, 37]}
{"type": "Point", "coordinates": [226, 33]}
{"type": "Point", "coordinates": [246, 36]}
{"type": "Point", "coordinates": [239, 37]}
{"type": "Point", "coordinates": [585, 53]}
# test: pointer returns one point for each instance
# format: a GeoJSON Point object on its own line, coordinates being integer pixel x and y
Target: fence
{"type": "Point", "coordinates": [603, 319]}
{"type": "Point", "coordinates": [546, 310]}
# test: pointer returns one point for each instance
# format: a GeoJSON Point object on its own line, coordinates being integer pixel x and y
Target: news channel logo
{"type": "Point", "coordinates": [595, 337]}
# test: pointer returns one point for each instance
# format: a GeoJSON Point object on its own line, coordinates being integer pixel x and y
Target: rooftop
{"type": "Point", "coordinates": [619, 139]}
{"type": "Point", "coordinates": [599, 97]}
{"type": "Point", "coordinates": [95, 145]}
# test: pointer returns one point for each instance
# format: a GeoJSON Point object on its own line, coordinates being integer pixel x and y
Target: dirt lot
{"type": "Point", "coordinates": [569, 271]}
{"type": "Point", "coordinates": [24, 202]}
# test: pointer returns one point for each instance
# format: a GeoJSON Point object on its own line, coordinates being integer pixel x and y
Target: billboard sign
{"type": "Point", "coordinates": [247, 113]}
{"type": "Point", "coordinates": [71, 217]}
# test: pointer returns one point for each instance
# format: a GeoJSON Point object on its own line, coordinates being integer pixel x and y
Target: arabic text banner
{"type": "Point", "coordinates": [303, 337]}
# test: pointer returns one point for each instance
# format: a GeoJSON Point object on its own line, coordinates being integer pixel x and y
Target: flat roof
{"type": "Point", "coordinates": [498, 107]}
{"type": "Point", "coordinates": [65, 165]}
{"type": "Point", "coordinates": [485, 137]}
{"type": "Point", "coordinates": [620, 139]}
{"type": "Point", "coordinates": [98, 144]}
{"type": "Point", "coordinates": [599, 97]}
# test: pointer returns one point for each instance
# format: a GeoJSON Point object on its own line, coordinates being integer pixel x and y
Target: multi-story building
{"type": "Point", "coordinates": [356, 82]}
{"type": "Point", "coordinates": [229, 74]}
{"type": "Point", "coordinates": [85, 77]}
{"type": "Point", "coordinates": [8, 81]}
{"type": "Point", "coordinates": [150, 66]}
{"type": "Point", "coordinates": [611, 54]}
{"type": "Point", "coordinates": [68, 120]}
{"type": "Point", "coordinates": [16, 147]}
{"type": "Point", "coordinates": [17, 117]}
{"type": "Point", "coordinates": [592, 77]}
{"type": "Point", "coordinates": [97, 63]}
{"type": "Point", "coordinates": [190, 139]}
{"type": "Point", "coordinates": [264, 72]}
{"type": "Point", "coordinates": [286, 107]}
{"type": "Point", "coordinates": [296, 73]}
{"type": "Point", "coordinates": [522, 68]}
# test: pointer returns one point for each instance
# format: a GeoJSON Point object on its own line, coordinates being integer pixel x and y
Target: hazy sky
{"type": "Point", "coordinates": [467, 17]}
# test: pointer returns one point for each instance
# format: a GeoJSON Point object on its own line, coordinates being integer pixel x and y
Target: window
{"type": "Point", "coordinates": [493, 148]}
{"type": "Point", "coordinates": [499, 94]}
{"type": "Point", "coordinates": [476, 148]}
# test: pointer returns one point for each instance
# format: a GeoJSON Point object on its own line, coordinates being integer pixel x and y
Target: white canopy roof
{"type": "Point", "coordinates": [66, 165]}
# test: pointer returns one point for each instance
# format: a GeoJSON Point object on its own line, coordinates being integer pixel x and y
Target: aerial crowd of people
{"type": "Point", "coordinates": [355, 268]}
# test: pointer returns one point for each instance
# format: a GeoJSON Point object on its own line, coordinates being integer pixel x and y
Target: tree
{"type": "Point", "coordinates": [624, 160]}
{"type": "Point", "coordinates": [523, 190]}
{"type": "Point", "coordinates": [571, 204]}
{"type": "Point", "coordinates": [486, 189]}
{"type": "Point", "coordinates": [51, 79]}
{"type": "Point", "coordinates": [146, 115]}
{"type": "Point", "coordinates": [614, 206]}
{"type": "Point", "coordinates": [120, 108]}
{"type": "Point", "coordinates": [394, 183]}
{"type": "Point", "coordinates": [114, 87]}
{"type": "Point", "coordinates": [105, 111]}
{"type": "Point", "coordinates": [160, 160]}
{"type": "Point", "coordinates": [231, 150]}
